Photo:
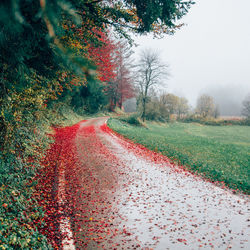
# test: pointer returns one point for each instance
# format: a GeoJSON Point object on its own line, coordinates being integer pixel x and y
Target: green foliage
{"type": "Point", "coordinates": [218, 153]}
{"type": "Point", "coordinates": [90, 98]}
{"type": "Point", "coordinates": [18, 210]}
{"type": "Point", "coordinates": [132, 119]}
{"type": "Point", "coordinates": [163, 13]}
{"type": "Point", "coordinates": [156, 111]}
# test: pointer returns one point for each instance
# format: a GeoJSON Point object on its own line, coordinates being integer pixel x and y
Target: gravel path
{"type": "Point", "coordinates": [124, 196]}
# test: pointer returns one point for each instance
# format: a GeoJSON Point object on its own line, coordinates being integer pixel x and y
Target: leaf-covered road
{"type": "Point", "coordinates": [123, 196]}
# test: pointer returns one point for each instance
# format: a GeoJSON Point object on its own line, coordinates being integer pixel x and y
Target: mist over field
{"type": "Point", "coordinates": [209, 54]}
{"type": "Point", "coordinates": [229, 98]}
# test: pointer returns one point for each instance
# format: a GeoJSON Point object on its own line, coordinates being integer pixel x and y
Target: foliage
{"type": "Point", "coordinates": [103, 57]}
{"type": "Point", "coordinates": [218, 153]}
{"type": "Point", "coordinates": [159, 15]}
{"type": "Point", "coordinates": [155, 111]}
{"type": "Point", "coordinates": [121, 88]}
{"type": "Point", "coordinates": [89, 98]}
{"type": "Point", "coordinates": [205, 106]}
{"type": "Point", "coordinates": [166, 107]}
{"type": "Point", "coordinates": [182, 107]}
{"type": "Point", "coordinates": [18, 209]}
{"type": "Point", "coordinates": [170, 102]}
{"type": "Point", "coordinates": [132, 119]}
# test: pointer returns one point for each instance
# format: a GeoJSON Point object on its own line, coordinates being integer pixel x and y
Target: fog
{"type": "Point", "coordinates": [229, 98]}
{"type": "Point", "coordinates": [210, 54]}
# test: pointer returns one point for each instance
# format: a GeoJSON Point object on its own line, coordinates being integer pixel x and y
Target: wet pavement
{"type": "Point", "coordinates": [124, 196]}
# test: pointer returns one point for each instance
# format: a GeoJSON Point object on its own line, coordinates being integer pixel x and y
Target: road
{"type": "Point", "coordinates": [123, 196]}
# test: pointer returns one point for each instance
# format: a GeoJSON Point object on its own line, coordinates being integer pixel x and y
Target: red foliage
{"type": "Point", "coordinates": [91, 174]}
{"type": "Point", "coordinates": [103, 57]}
{"type": "Point", "coordinates": [61, 154]}
{"type": "Point", "coordinates": [73, 156]}
{"type": "Point", "coordinates": [113, 66]}
{"type": "Point", "coordinates": [124, 79]}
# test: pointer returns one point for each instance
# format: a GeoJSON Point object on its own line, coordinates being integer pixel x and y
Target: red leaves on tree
{"type": "Point", "coordinates": [113, 68]}
{"type": "Point", "coordinates": [103, 57]}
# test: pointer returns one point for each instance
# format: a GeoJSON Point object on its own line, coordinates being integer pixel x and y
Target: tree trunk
{"type": "Point", "coordinates": [143, 109]}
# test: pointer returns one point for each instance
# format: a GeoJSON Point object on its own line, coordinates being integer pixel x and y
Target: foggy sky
{"type": "Point", "coordinates": [210, 54]}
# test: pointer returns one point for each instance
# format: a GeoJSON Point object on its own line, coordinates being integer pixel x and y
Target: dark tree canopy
{"type": "Point", "coordinates": [31, 33]}
{"type": "Point", "coordinates": [162, 12]}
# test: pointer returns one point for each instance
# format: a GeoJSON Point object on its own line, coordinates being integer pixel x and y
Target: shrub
{"type": "Point", "coordinates": [133, 120]}
{"type": "Point", "coordinates": [19, 212]}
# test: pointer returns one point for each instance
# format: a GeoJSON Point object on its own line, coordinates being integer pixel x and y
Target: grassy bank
{"type": "Point", "coordinates": [21, 212]}
{"type": "Point", "coordinates": [219, 153]}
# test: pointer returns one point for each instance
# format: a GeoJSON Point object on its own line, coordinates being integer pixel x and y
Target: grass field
{"type": "Point", "coordinates": [220, 153]}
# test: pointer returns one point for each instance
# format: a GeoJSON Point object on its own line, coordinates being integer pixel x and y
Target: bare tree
{"type": "Point", "coordinates": [182, 107]}
{"type": "Point", "coordinates": [216, 111]}
{"type": "Point", "coordinates": [246, 107]}
{"type": "Point", "coordinates": [150, 73]}
{"type": "Point", "coordinates": [205, 106]}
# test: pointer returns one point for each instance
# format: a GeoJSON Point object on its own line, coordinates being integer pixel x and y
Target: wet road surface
{"type": "Point", "coordinates": [123, 196]}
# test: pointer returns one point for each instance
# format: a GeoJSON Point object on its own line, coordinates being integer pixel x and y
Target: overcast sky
{"type": "Point", "coordinates": [211, 53]}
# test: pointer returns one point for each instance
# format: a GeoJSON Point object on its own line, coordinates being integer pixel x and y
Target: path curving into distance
{"type": "Point", "coordinates": [122, 196]}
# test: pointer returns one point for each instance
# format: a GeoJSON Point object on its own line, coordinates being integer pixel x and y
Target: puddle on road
{"type": "Point", "coordinates": [168, 209]}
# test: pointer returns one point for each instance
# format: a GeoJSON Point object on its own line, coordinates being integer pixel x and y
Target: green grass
{"type": "Point", "coordinates": [218, 153]}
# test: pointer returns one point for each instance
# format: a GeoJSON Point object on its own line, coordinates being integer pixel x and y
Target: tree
{"type": "Point", "coordinates": [182, 107]}
{"type": "Point", "coordinates": [169, 103]}
{"type": "Point", "coordinates": [124, 79]}
{"type": "Point", "coordinates": [44, 54]}
{"type": "Point", "coordinates": [159, 15]}
{"type": "Point", "coordinates": [246, 106]}
{"type": "Point", "coordinates": [216, 111]}
{"type": "Point", "coordinates": [163, 106]}
{"type": "Point", "coordinates": [205, 106]}
{"type": "Point", "coordinates": [113, 61]}
{"type": "Point", "coordinates": [102, 55]}
{"type": "Point", "coordinates": [153, 111]}
{"type": "Point", "coordinates": [42, 39]}
{"type": "Point", "coordinates": [151, 72]}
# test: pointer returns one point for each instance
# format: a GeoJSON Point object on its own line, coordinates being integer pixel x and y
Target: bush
{"type": "Point", "coordinates": [153, 111]}
{"type": "Point", "coordinates": [119, 111]}
{"type": "Point", "coordinates": [133, 120]}
{"type": "Point", "coordinates": [19, 212]}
